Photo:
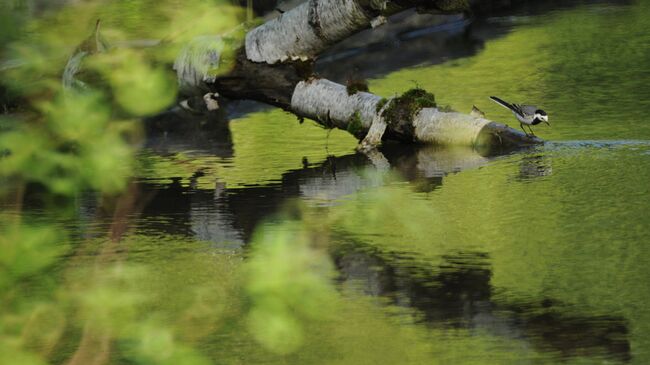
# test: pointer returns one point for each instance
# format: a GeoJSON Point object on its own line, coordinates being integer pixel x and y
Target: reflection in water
{"type": "Point", "coordinates": [534, 166]}
{"type": "Point", "coordinates": [168, 207]}
{"type": "Point", "coordinates": [178, 130]}
{"type": "Point", "coordinates": [458, 293]}
{"type": "Point", "coordinates": [222, 214]}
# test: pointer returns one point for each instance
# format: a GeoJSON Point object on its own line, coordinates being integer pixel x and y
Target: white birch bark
{"type": "Point", "coordinates": [305, 31]}
{"type": "Point", "coordinates": [440, 128]}
{"type": "Point", "coordinates": [310, 28]}
{"type": "Point", "coordinates": [329, 102]}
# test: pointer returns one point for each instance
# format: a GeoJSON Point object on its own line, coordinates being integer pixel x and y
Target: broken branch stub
{"type": "Point", "coordinates": [376, 132]}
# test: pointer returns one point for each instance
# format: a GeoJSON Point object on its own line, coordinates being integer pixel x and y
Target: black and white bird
{"type": "Point", "coordinates": [525, 114]}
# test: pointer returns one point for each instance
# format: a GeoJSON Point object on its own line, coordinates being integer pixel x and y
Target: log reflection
{"type": "Point", "coordinates": [458, 293]}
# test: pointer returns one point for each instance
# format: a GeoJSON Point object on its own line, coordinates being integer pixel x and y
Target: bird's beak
{"type": "Point", "coordinates": [549, 124]}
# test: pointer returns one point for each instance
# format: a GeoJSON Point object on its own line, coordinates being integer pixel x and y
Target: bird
{"type": "Point", "coordinates": [525, 114]}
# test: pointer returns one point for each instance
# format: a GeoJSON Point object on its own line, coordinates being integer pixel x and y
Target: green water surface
{"type": "Point", "coordinates": [292, 249]}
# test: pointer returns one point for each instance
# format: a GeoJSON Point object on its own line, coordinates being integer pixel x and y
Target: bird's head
{"type": "Point", "coordinates": [541, 115]}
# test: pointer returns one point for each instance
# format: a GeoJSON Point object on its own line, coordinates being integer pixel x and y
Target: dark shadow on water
{"type": "Point", "coordinates": [455, 294]}
{"type": "Point", "coordinates": [458, 294]}
{"type": "Point", "coordinates": [179, 130]}
{"type": "Point", "coordinates": [534, 166]}
{"type": "Point", "coordinates": [180, 207]}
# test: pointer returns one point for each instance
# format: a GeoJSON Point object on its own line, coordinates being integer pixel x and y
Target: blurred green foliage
{"type": "Point", "coordinates": [26, 251]}
{"type": "Point", "coordinates": [62, 141]}
{"type": "Point", "coordinates": [73, 146]}
{"type": "Point", "coordinates": [289, 284]}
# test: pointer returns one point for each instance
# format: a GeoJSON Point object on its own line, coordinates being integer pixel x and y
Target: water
{"type": "Point", "coordinates": [437, 255]}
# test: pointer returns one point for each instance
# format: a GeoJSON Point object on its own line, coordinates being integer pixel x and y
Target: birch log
{"type": "Point", "coordinates": [312, 27]}
{"type": "Point", "coordinates": [329, 104]}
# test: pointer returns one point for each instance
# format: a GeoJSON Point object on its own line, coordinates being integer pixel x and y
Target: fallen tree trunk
{"type": "Point", "coordinates": [275, 66]}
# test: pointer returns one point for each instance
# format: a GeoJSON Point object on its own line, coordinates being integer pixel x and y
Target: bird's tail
{"type": "Point", "coordinates": [503, 103]}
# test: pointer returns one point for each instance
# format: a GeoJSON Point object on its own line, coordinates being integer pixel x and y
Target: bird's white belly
{"type": "Point", "coordinates": [525, 119]}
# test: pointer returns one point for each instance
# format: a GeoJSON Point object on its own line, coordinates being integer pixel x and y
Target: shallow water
{"type": "Point", "coordinates": [439, 255]}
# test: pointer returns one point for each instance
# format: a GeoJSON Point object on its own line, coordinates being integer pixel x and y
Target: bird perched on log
{"type": "Point", "coordinates": [525, 114]}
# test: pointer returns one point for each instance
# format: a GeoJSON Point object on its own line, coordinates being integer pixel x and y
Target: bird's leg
{"type": "Point", "coordinates": [522, 128]}
{"type": "Point", "coordinates": [531, 130]}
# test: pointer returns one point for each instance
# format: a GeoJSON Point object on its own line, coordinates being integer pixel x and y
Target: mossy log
{"type": "Point", "coordinates": [415, 121]}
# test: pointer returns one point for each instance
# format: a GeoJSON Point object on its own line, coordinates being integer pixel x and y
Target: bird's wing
{"type": "Point", "coordinates": [528, 109]}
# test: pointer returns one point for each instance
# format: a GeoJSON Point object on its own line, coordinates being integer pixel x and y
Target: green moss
{"type": "Point", "coordinates": [381, 104]}
{"type": "Point", "coordinates": [355, 86]}
{"type": "Point", "coordinates": [446, 109]}
{"type": "Point", "coordinates": [420, 97]}
{"type": "Point", "coordinates": [355, 127]}
{"type": "Point", "coordinates": [406, 106]}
